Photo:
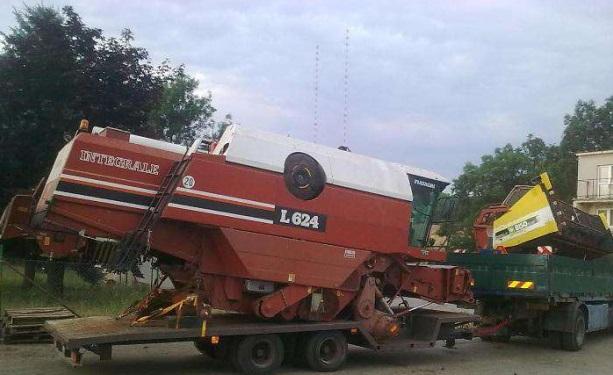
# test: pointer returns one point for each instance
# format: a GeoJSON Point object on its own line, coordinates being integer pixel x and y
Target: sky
{"type": "Point", "coordinates": [432, 84]}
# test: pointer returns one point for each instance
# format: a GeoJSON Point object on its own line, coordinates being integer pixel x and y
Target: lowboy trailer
{"type": "Point", "coordinates": [254, 346]}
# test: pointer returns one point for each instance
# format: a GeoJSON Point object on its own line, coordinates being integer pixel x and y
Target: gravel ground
{"type": "Point", "coordinates": [521, 356]}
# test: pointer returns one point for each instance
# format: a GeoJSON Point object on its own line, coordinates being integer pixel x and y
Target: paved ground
{"type": "Point", "coordinates": [521, 356]}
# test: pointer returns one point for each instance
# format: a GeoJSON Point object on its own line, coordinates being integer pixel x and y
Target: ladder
{"type": "Point", "coordinates": [136, 243]}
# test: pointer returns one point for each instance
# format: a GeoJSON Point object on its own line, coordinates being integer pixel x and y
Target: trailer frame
{"type": "Point", "coordinates": [74, 337]}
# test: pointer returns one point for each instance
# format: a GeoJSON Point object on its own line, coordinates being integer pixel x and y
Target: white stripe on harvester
{"type": "Point", "coordinates": [221, 213]}
{"type": "Point", "coordinates": [110, 184]}
{"type": "Point", "coordinates": [226, 197]}
{"type": "Point", "coordinates": [101, 200]}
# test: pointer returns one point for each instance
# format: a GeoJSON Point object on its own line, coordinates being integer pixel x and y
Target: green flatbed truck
{"type": "Point", "coordinates": [551, 296]}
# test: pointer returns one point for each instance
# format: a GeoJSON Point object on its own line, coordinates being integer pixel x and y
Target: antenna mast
{"type": "Point", "coordinates": [316, 95]}
{"type": "Point", "coordinates": [346, 88]}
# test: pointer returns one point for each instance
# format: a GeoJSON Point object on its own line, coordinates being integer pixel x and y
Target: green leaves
{"type": "Point", "coordinates": [181, 114]}
{"type": "Point", "coordinates": [489, 182]}
{"type": "Point", "coordinates": [55, 71]}
{"type": "Point", "coordinates": [589, 128]}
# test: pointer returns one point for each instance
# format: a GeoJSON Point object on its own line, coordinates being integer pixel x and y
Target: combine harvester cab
{"type": "Point", "coordinates": [258, 223]}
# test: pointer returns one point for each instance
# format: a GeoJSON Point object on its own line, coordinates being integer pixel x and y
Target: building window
{"type": "Point", "coordinates": [608, 215]}
{"type": "Point", "coordinates": [605, 180]}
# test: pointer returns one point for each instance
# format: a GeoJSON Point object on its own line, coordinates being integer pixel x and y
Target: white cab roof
{"type": "Point", "coordinates": [268, 151]}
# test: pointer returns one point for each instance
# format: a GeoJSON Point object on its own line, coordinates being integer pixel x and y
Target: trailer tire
{"type": "Point", "coordinates": [573, 341]}
{"type": "Point", "coordinates": [326, 351]}
{"type": "Point", "coordinates": [257, 355]}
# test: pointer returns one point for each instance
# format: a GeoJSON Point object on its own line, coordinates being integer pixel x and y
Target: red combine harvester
{"type": "Point", "coordinates": [258, 223]}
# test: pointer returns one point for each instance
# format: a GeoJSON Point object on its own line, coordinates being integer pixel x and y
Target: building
{"type": "Point", "coordinates": [595, 184]}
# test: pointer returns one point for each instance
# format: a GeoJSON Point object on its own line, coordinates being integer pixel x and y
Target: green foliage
{"type": "Point", "coordinates": [589, 128]}
{"type": "Point", "coordinates": [491, 180]}
{"type": "Point", "coordinates": [181, 114]}
{"type": "Point", "coordinates": [81, 296]}
{"type": "Point", "coordinates": [55, 71]}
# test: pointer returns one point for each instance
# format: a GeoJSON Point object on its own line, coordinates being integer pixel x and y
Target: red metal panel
{"type": "Point", "coordinates": [284, 260]}
{"type": "Point", "coordinates": [354, 219]}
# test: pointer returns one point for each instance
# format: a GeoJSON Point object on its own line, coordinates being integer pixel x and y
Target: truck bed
{"type": "Point", "coordinates": [552, 276]}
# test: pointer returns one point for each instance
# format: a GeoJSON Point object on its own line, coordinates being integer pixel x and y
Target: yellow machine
{"type": "Point", "coordinates": [538, 218]}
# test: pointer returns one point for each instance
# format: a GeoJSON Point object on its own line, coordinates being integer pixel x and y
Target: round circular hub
{"type": "Point", "coordinates": [262, 354]}
{"type": "Point", "coordinates": [328, 351]}
{"type": "Point", "coordinates": [304, 176]}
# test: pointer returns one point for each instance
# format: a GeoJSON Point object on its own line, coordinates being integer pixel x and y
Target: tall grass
{"type": "Point", "coordinates": [80, 296]}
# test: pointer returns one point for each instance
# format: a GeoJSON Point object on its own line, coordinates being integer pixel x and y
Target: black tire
{"type": "Point", "coordinates": [555, 339]}
{"type": "Point", "coordinates": [304, 177]}
{"type": "Point", "coordinates": [257, 355]}
{"type": "Point", "coordinates": [326, 351]}
{"type": "Point", "coordinates": [573, 341]}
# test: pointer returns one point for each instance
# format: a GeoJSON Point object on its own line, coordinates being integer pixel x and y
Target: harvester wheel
{"type": "Point", "coordinates": [326, 350]}
{"type": "Point", "coordinates": [257, 355]}
{"type": "Point", "coordinates": [573, 341]}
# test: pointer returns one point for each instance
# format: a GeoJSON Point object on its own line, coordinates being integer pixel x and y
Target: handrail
{"type": "Point", "coordinates": [595, 188]}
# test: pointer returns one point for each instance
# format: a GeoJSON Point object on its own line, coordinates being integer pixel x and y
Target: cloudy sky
{"type": "Point", "coordinates": [431, 84]}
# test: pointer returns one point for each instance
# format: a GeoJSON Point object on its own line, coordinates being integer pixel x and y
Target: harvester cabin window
{"type": "Point", "coordinates": [425, 194]}
{"type": "Point", "coordinates": [605, 181]}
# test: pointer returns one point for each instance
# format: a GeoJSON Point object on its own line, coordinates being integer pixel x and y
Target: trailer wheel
{"type": "Point", "coordinates": [573, 341]}
{"type": "Point", "coordinates": [260, 354]}
{"type": "Point", "coordinates": [326, 350]}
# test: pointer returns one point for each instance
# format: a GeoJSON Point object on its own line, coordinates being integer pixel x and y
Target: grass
{"type": "Point", "coordinates": [80, 296]}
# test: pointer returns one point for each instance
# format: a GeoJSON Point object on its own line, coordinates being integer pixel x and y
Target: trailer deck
{"type": "Point", "coordinates": [99, 334]}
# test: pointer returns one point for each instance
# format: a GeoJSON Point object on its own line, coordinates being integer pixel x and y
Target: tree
{"type": "Point", "coordinates": [589, 128]}
{"type": "Point", "coordinates": [181, 114]}
{"type": "Point", "coordinates": [54, 71]}
{"type": "Point", "coordinates": [490, 182]}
